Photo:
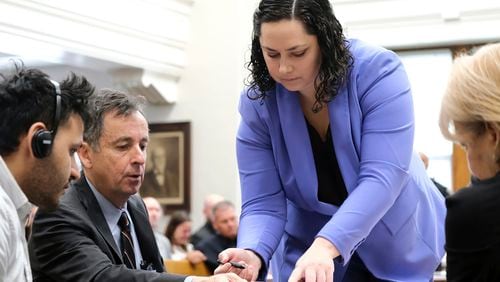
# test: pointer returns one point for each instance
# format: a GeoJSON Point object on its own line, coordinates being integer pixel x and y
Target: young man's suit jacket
{"type": "Point", "coordinates": [74, 242]}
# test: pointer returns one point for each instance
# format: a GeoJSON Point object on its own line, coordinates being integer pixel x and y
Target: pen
{"type": "Point", "coordinates": [233, 264]}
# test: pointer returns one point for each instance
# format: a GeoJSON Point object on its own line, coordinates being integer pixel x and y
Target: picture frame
{"type": "Point", "coordinates": [167, 172]}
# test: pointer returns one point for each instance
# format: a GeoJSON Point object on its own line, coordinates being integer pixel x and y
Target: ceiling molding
{"type": "Point", "coordinates": [146, 35]}
{"type": "Point", "coordinates": [158, 89]}
{"type": "Point", "coordinates": [407, 24]}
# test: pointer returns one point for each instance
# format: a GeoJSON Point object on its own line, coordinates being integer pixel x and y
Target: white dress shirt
{"type": "Point", "coordinates": [14, 211]}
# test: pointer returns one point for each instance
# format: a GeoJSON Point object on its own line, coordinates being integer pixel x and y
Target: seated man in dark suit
{"type": "Point", "coordinates": [225, 223]}
{"type": "Point", "coordinates": [101, 231]}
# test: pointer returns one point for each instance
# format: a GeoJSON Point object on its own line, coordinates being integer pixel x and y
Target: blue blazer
{"type": "Point", "coordinates": [393, 216]}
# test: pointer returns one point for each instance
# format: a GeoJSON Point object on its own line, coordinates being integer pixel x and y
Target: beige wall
{"type": "Point", "coordinates": [208, 94]}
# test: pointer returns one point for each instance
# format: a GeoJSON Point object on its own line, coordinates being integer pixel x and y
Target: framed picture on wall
{"type": "Point", "coordinates": [167, 165]}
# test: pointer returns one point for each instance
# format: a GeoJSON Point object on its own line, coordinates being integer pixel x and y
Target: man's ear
{"type": "Point", "coordinates": [85, 153]}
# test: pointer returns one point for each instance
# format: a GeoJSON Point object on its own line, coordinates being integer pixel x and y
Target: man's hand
{"type": "Point", "coordinates": [224, 277]}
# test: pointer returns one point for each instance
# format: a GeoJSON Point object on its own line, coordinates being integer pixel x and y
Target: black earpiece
{"type": "Point", "coordinates": [41, 144]}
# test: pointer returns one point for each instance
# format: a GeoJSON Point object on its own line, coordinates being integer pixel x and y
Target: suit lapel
{"type": "Point", "coordinates": [95, 214]}
{"type": "Point", "coordinates": [144, 233]}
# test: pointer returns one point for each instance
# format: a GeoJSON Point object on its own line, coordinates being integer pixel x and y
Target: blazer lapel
{"type": "Point", "coordinates": [298, 143]}
{"type": "Point", "coordinates": [95, 214]}
{"type": "Point", "coordinates": [345, 137]}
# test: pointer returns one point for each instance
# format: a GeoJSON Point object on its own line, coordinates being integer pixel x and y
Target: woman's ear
{"type": "Point", "coordinates": [497, 138]}
{"type": "Point", "coordinates": [85, 153]}
{"type": "Point", "coordinates": [494, 134]}
{"type": "Point", "coordinates": [497, 144]}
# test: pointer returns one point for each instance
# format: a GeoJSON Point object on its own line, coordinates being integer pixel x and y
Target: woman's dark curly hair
{"type": "Point", "coordinates": [319, 20]}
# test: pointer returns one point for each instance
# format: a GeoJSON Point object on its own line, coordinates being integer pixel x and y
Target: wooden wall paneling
{"type": "Point", "coordinates": [460, 168]}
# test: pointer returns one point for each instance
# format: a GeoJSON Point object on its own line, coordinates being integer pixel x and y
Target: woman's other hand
{"type": "Point", "coordinates": [316, 264]}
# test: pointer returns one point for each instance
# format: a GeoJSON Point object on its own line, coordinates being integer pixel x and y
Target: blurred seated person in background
{"type": "Point", "coordinates": [225, 223]}
{"type": "Point", "coordinates": [178, 232]}
{"type": "Point", "coordinates": [155, 213]}
{"type": "Point", "coordinates": [440, 186]}
{"type": "Point", "coordinates": [101, 232]}
{"type": "Point", "coordinates": [470, 116]}
{"type": "Point", "coordinates": [207, 229]}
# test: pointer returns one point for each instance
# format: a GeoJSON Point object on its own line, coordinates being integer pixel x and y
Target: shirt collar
{"type": "Point", "coordinates": [13, 191]}
{"type": "Point", "coordinates": [110, 211]}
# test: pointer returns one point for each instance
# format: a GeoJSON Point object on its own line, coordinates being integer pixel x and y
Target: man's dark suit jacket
{"type": "Point", "coordinates": [206, 231]}
{"type": "Point", "coordinates": [74, 242]}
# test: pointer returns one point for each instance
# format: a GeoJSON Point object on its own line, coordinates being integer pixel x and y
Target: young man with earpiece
{"type": "Point", "coordinates": [41, 127]}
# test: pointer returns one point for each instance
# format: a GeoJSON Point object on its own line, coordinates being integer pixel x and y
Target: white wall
{"type": "Point", "coordinates": [428, 85]}
{"type": "Point", "coordinates": [208, 93]}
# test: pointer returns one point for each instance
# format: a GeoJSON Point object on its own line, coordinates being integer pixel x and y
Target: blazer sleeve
{"type": "Point", "coordinates": [63, 248]}
{"type": "Point", "coordinates": [381, 88]}
{"type": "Point", "coordinates": [263, 214]}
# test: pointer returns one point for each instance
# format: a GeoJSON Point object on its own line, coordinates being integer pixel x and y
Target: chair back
{"type": "Point", "coordinates": [184, 267]}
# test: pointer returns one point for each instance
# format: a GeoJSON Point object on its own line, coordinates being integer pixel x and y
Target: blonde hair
{"type": "Point", "coordinates": [472, 96]}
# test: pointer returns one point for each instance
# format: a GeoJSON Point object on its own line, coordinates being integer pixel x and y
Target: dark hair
{"type": "Point", "coordinates": [319, 20]}
{"type": "Point", "coordinates": [27, 96]}
{"type": "Point", "coordinates": [177, 218]}
{"type": "Point", "coordinates": [105, 101]}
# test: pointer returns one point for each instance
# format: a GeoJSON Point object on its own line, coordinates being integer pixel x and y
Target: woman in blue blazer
{"type": "Point", "coordinates": [330, 183]}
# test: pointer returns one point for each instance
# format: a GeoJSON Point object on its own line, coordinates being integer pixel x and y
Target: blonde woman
{"type": "Point", "coordinates": [470, 116]}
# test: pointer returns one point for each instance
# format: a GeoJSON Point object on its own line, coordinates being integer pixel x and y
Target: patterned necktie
{"type": "Point", "coordinates": [126, 240]}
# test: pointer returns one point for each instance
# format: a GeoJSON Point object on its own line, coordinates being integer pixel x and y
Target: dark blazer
{"type": "Point", "coordinates": [473, 232]}
{"type": "Point", "coordinates": [74, 242]}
